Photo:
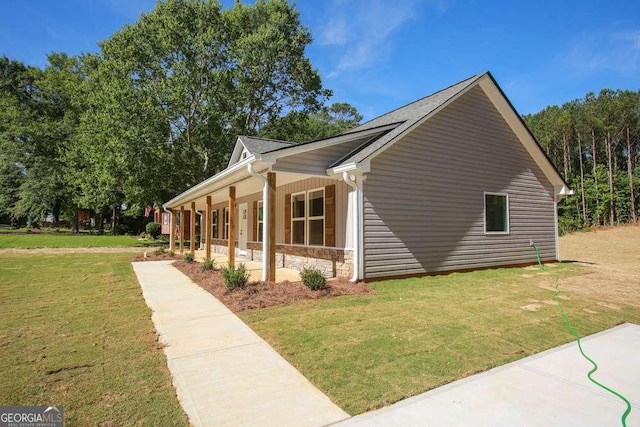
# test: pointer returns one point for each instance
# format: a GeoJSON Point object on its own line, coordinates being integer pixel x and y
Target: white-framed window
{"type": "Point", "coordinates": [259, 220]}
{"type": "Point", "coordinates": [226, 223]}
{"type": "Point", "coordinates": [307, 217]}
{"type": "Point", "coordinates": [496, 213]}
{"type": "Point", "coordinates": [214, 223]}
{"type": "Point", "coordinates": [165, 218]}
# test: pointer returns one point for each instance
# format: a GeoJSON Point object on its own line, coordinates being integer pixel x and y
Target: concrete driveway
{"type": "Point", "coordinates": [547, 389]}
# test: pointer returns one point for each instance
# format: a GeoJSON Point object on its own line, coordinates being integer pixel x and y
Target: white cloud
{"type": "Point", "coordinates": [363, 29]}
{"type": "Point", "coordinates": [618, 52]}
{"type": "Point", "coordinates": [335, 32]}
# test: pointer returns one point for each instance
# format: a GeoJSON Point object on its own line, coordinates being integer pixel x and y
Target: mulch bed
{"type": "Point", "coordinates": [264, 294]}
{"type": "Point", "coordinates": [151, 256]}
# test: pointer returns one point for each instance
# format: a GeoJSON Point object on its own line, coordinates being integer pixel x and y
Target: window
{"type": "Point", "coordinates": [165, 218]}
{"type": "Point", "coordinates": [259, 221]}
{"type": "Point", "coordinates": [496, 213]}
{"type": "Point", "coordinates": [316, 217]}
{"type": "Point", "coordinates": [298, 218]}
{"type": "Point", "coordinates": [214, 224]}
{"type": "Point", "coordinates": [226, 223]}
{"type": "Point", "coordinates": [307, 218]}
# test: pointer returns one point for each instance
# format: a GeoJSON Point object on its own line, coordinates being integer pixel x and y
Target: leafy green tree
{"type": "Point", "coordinates": [300, 127]}
{"type": "Point", "coordinates": [168, 95]}
{"type": "Point", "coordinates": [39, 123]}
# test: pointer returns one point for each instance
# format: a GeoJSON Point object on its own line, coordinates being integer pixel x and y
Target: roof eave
{"type": "Point", "coordinates": [200, 189]}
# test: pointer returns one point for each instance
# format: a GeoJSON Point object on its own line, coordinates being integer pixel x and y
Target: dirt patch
{"type": "Point", "coordinates": [264, 294]}
{"type": "Point", "coordinates": [531, 307]}
{"type": "Point", "coordinates": [612, 257]}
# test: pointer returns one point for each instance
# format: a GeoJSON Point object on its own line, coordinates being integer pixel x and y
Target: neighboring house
{"type": "Point", "coordinates": [453, 181]}
{"type": "Point", "coordinates": [163, 218]}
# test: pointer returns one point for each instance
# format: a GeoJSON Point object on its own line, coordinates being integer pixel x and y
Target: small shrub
{"type": "Point", "coordinates": [208, 264]}
{"type": "Point", "coordinates": [159, 251]}
{"type": "Point", "coordinates": [153, 229]}
{"type": "Point", "coordinates": [171, 253]}
{"type": "Point", "coordinates": [235, 277]}
{"type": "Point", "coordinates": [189, 257]}
{"type": "Point", "coordinates": [313, 278]}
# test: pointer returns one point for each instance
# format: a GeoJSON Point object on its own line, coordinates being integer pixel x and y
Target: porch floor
{"type": "Point", "coordinates": [254, 267]}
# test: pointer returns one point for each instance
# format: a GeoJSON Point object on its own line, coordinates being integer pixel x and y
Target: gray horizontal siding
{"type": "Point", "coordinates": [424, 196]}
{"type": "Point", "coordinates": [316, 162]}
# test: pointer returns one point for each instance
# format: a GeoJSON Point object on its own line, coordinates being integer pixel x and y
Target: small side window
{"type": "Point", "coordinates": [496, 213]}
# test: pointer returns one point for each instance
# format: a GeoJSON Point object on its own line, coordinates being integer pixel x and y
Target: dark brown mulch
{"type": "Point", "coordinates": [264, 294]}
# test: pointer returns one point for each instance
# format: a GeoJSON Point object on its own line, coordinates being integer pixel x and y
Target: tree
{"type": "Point", "coordinates": [577, 135]}
{"type": "Point", "coordinates": [299, 127]}
{"type": "Point", "coordinates": [40, 123]}
{"type": "Point", "coordinates": [168, 95]}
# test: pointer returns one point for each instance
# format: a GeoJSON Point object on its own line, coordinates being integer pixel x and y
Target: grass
{"type": "Point", "coordinates": [76, 332]}
{"type": "Point", "coordinates": [38, 240]}
{"type": "Point", "coordinates": [413, 335]}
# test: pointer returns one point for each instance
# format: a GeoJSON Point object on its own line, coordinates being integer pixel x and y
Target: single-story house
{"type": "Point", "coordinates": [452, 181]}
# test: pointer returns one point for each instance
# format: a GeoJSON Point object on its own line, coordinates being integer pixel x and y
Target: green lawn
{"type": "Point", "coordinates": [416, 334]}
{"type": "Point", "coordinates": [76, 332]}
{"type": "Point", "coordinates": [37, 240]}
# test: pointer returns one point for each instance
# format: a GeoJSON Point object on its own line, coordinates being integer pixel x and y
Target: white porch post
{"type": "Point", "coordinates": [265, 222]}
{"type": "Point", "coordinates": [172, 230]}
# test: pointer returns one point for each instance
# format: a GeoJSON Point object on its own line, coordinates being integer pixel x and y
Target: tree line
{"type": "Point", "coordinates": [157, 110]}
{"type": "Point", "coordinates": [595, 144]}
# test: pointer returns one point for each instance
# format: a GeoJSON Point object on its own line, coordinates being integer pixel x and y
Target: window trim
{"type": "Point", "coordinates": [302, 219]}
{"type": "Point", "coordinates": [484, 208]}
{"type": "Point", "coordinates": [315, 218]}
{"type": "Point", "coordinates": [307, 218]}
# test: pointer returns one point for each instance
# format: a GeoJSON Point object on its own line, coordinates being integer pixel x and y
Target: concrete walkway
{"type": "Point", "coordinates": [548, 389]}
{"type": "Point", "coordinates": [224, 373]}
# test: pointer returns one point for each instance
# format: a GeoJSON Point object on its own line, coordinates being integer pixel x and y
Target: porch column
{"type": "Point", "coordinates": [271, 178]}
{"type": "Point", "coordinates": [232, 226]}
{"type": "Point", "coordinates": [192, 234]}
{"type": "Point", "coordinates": [207, 223]}
{"type": "Point", "coordinates": [181, 229]}
{"type": "Point", "coordinates": [172, 230]}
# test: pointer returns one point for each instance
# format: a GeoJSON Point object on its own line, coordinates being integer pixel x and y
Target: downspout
{"type": "Point", "coordinates": [356, 226]}
{"type": "Point", "coordinates": [265, 221]}
{"type": "Point", "coordinates": [172, 231]}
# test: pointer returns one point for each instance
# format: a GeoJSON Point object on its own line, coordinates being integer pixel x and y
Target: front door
{"type": "Point", "coordinates": [243, 230]}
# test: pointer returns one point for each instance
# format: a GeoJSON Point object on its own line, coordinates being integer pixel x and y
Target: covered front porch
{"type": "Point", "coordinates": [277, 223]}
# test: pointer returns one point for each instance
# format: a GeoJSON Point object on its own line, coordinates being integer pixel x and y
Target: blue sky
{"type": "Point", "coordinates": [381, 54]}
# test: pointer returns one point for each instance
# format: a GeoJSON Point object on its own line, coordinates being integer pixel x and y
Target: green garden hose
{"type": "Point", "coordinates": [575, 334]}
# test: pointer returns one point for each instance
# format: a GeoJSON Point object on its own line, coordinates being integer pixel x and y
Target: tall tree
{"type": "Point", "coordinates": [169, 94]}
{"type": "Point", "coordinates": [301, 127]}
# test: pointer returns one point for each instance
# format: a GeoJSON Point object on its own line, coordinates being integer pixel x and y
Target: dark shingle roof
{"type": "Point", "coordinates": [406, 117]}
{"type": "Point", "coordinates": [263, 145]}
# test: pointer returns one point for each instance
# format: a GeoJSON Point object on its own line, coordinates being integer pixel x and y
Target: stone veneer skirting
{"type": "Point", "coordinates": [332, 262]}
